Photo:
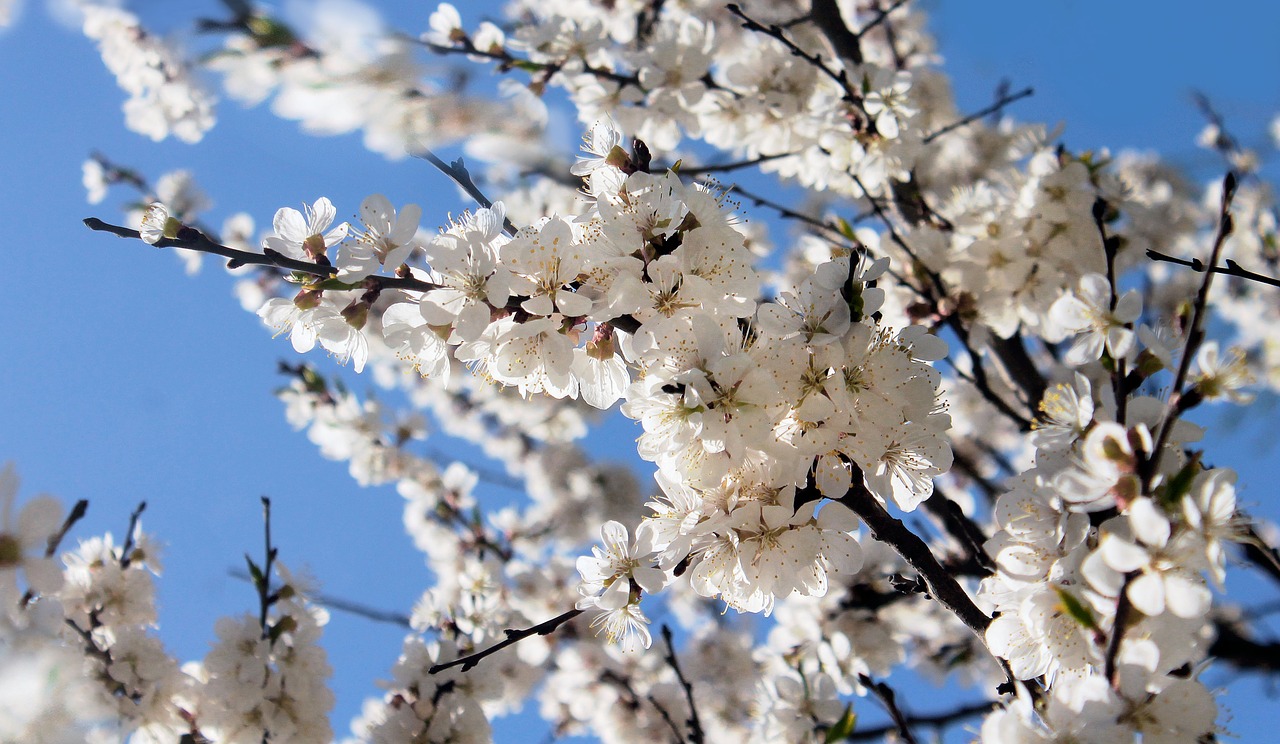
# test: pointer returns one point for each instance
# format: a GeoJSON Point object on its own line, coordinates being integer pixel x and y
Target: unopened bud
{"type": "Point", "coordinates": [356, 314]}
{"type": "Point", "coordinates": [307, 299]}
{"type": "Point", "coordinates": [314, 246]}
{"type": "Point", "coordinates": [618, 158]}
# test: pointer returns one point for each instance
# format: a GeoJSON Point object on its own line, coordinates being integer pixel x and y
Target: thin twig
{"type": "Point", "coordinates": [77, 513]}
{"type": "Point", "coordinates": [936, 720]}
{"type": "Point", "coordinates": [508, 61]}
{"type": "Point", "coordinates": [847, 45]}
{"type": "Point", "coordinates": [696, 734]}
{"type": "Point", "coordinates": [1110, 247]}
{"type": "Point", "coordinates": [1231, 268]}
{"type": "Point", "coordinates": [886, 695]}
{"type": "Point", "coordinates": [671, 724]}
{"type": "Point", "coordinates": [776, 32]}
{"type": "Point", "coordinates": [513, 637]}
{"type": "Point", "coordinates": [126, 550]}
{"type": "Point", "coordinates": [882, 15]}
{"type": "Point", "coordinates": [1195, 332]}
{"type": "Point", "coordinates": [388, 617]}
{"type": "Point", "coordinates": [1124, 608]}
{"type": "Point", "coordinates": [698, 170]}
{"type": "Point", "coordinates": [457, 170]}
{"type": "Point", "coordinates": [193, 239]}
{"type": "Point", "coordinates": [1004, 100]}
{"type": "Point", "coordinates": [262, 582]}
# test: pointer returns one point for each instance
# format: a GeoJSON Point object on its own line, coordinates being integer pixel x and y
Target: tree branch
{"type": "Point", "coordinates": [696, 735]}
{"type": "Point", "coordinates": [194, 240]}
{"type": "Point", "coordinates": [1195, 331]}
{"type": "Point", "coordinates": [841, 78]}
{"type": "Point", "coordinates": [1003, 101]}
{"type": "Point", "coordinates": [513, 637]}
{"type": "Point", "coordinates": [915, 552]}
{"type": "Point", "coordinates": [886, 695]}
{"type": "Point", "coordinates": [1231, 268]}
{"type": "Point", "coordinates": [936, 720]}
{"type": "Point", "coordinates": [457, 170]}
{"type": "Point", "coordinates": [825, 14]}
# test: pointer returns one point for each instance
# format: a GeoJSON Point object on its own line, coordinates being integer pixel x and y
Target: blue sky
{"type": "Point", "coordinates": [127, 380]}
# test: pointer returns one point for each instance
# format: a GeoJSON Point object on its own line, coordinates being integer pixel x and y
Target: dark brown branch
{"type": "Point", "coordinates": [1004, 100]}
{"type": "Point", "coordinates": [1256, 550]}
{"type": "Point", "coordinates": [195, 240]}
{"type": "Point", "coordinates": [457, 170]}
{"type": "Point", "coordinates": [832, 231]}
{"type": "Point", "coordinates": [1195, 331]}
{"type": "Point", "coordinates": [886, 695]}
{"type": "Point", "coordinates": [936, 720]}
{"type": "Point", "coordinates": [825, 14]}
{"type": "Point", "coordinates": [776, 32]}
{"type": "Point", "coordinates": [388, 617]}
{"type": "Point", "coordinates": [513, 637]}
{"type": "Point", "coordinates": [697, 170]}
{"type": "Point", "coordinates": [126, 550]}
{"type": "Point", "coordinates": [892, 532]}
{"type": "Point", "coordinates": [1231, 268]}
{"type": "Point", "coordinates": [1244, 653]}
{"type": "Point", "coordinates": [882, 15]}
{"type": "Point", "coordinates": [508, 61]}
{"type": "Point", "coordinates": [1124, 608]}
{"type": "Point", "coordinates": [696, 734]}
{"type": "Point", "coordinates": [963, 529]}
{"type": "Point", "coordinates": [77, 513]}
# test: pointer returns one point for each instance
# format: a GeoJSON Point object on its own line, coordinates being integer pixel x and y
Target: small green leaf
{"type": "Point", "coordinates": [528, 66]}
{"type": "Point", "coordinates": [845, 228]}
{"type": "Point", "coordinates": [1076, 609]}
{"type": "Point", "coordinates": [1180, 484]}
{"type": "Point", "coordinates": [843, 727]}
{"type": "Point", "coordinates": [255, 573]}
{"type": "Point", "coordinates": [335, 284]}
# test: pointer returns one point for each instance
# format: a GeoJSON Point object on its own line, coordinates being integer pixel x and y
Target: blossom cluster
{"type": "Point", "coordinates": [968, 334]}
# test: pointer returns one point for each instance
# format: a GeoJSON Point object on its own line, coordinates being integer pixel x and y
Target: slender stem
{"type": "Point", "coordinates": [1003, 101]}
{"type": "Point", "coordinates": [1111, 246]}
{"type": "Point", "coordinates": [935, 720]}
{"type": "Point", "coordinates": [77, 513]}
{"type": "Point", "coordinates": [697, 170]}
{"type": "Point", "coordinates": [457, 170]}
{"type": "Point", "coordinates": [513, 637]}
{"type": "Point", "coordinates": [847, 45]}
{"type": "Point", "coordinates": [399, 619]}
{"type": "Point", "coordinates": [1231, 268]}
{"type": "Point", "coordinates": [887, 696]}
{"type": "Point", "coordinates": [882, 15]}
{"type": "Point", "coordinates": [1195, 332]}
{"type": "Point", "coordinates": [1124, 608]}
{"type": "Point", "coordinates": [696, 734]}
{"type": "Point", "coordinates": [263, 582]}
{"type": "Point", "coordinates": [195, 240]}
{"type": "Point", "coordinates": [776, 32]}
{"type": "Point", "coordinates": [941, 585]}
{"type": "Point", "coordinates": [126, 550]}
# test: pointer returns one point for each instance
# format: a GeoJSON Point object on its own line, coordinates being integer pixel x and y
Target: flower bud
{"type": "Point", "coordinates": [356, 314]}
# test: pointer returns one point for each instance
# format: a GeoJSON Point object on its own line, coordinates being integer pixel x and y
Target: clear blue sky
{"type": "Point", "coordinates": [125, 380]}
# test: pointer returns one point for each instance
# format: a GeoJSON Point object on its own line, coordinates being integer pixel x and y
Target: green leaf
{"type": "Point", "coordinates": [845, 228]}
{"type": "Point", "coordinates": [528, 66]}
{"type": "Point", "coordinates": [1180, 484]}
{"type": "Point", "coordinates": [843, 727]}
{"type": "Point", "coordinates": [335, 284]}
{"type": "Point", "coordinates": [1076, 609]}
{"type": "Point", "coordinates": [255, 573]}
